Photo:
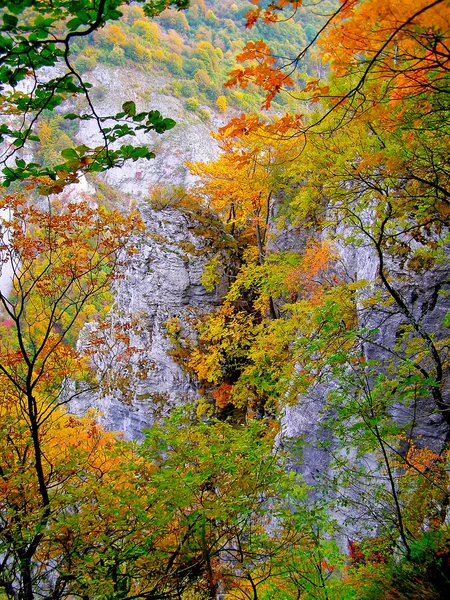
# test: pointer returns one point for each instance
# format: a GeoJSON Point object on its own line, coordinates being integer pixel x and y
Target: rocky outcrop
{"type": "Point", "coordinates": [161, 282]}
{"type": "Point", "coordinates": [189, 140]}
{"type": "Point", "coordinates": [425, 294]}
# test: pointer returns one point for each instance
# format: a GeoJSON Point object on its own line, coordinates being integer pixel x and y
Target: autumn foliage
{"type": "Point", "coordinates": [326, 231]}
{"type": "Point", "coordinates": [360, 163]}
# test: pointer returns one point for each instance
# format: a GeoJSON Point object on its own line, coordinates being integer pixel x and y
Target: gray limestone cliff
{"type": "Point", "coordinates": [189, 140]}
{"type": "Point", "coordinates": [427, 296]}
{"type": "Point", "coordinates": [161, 282]}
{"type": "Point", "coordinates": [423, 302]}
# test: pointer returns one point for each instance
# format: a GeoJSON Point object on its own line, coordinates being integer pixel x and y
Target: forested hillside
{"type": "Point", "coordinates": [283, 319]}
{"type": "Point", "coordinates": [197, 47]}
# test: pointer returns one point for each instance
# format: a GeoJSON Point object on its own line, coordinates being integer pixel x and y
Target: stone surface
{"type": "Point", "coordinates": [163, 280]}
{"type": "Point", "coordinates": [160, 282]}
{"type": "Point", "coordinates": [426, 296]}
{"type": "Point", "coordinates": [189, 140]}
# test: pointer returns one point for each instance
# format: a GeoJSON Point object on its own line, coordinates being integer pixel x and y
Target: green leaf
{"type": "Point", "coordinates": [169, 123]}
{"type": "Point", "coordinates": [73, 24]}
{"type": "Point", "coordinates": [10, 21]}
{"type": "Point", "coordinates": [69, 153]}
{"type": "Point", "coordinates": [18, 7]}
{"type": "Point", "coordinates": [129, 108]}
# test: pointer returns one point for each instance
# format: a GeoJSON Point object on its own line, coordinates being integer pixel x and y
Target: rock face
{"type": "Point", "coordinates": [161, 282]}
{"type": "Point", "coordinates": [188, 141]}
{"type": "Point", "coordinates": [425, 295]}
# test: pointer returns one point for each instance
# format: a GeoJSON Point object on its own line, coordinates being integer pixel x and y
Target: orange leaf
{"type": "Point", "coordinates": [252, 16]}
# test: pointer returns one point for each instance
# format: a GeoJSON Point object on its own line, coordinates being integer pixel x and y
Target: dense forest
{"type": "Point", "coordinates": [324, 222]}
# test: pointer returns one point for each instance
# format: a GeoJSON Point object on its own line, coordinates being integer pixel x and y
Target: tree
{"type": "Point", "coordinates": [202, 79]}
{"type": "Point", "coordinates": [370, 171]}
{"type": "Point", "coordinates": [402, 46]}
{"type": "Point", "coordinates": [239, 185]}
{"type": "Point", "coordinates": [43, 545]}
{"type": "Point", "coordinates": [188, 510]}
{"type": "Point", "coordinates": [238, 512]}
{"type": "Point", "coordinates": [393, 57]}
{"type": "Point", "coordinates": [149, 31]}
{"type": "Point", "coordinates": [41, 39]}
{"type": "Point", "coordinates": [57, 260]}
{"type": "Point", "coordinates": [191, 104]}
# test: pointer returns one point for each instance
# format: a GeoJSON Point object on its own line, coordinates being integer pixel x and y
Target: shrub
{"type": "Point", "coordinates": [213, 92]}
{"type": "Point", "coordinates": [116, 56]}
{"type": "Point", "coordinates": [204, 115]}
{"type": "Point", "coordinates": [221, 104]}
{"type": "Point", "coordinates": [202, 79]}
{"type": "Point", "coordinates": [148, 31]}
{"type": "Point", "coordinates": [175, 90]}
{"type": "Point", "coordinates": [85, 63]}
{"type": "Point", "coordinates": [174, 64]}
{"type": "Point", "coordinates": [136, 52]}
{"type": "Point", "coordinates": [174, 20]}
{"type": "Point", "coordinates": [110, 36]}
{"type": "Point", "coordinates": [191, 104]}
{"type": "Point", "coordinates": [98, 92]}
{"type": "Point", "coordinates": [310, 32]}
{"type": "Point", "coordinates": [188, 89]}
{"type": "Point", "coordinates": [192, 65]}
{"type": "Point", "coordinates": [210, 18]}
{"type": "Point", "coordinates": [133, 13]}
